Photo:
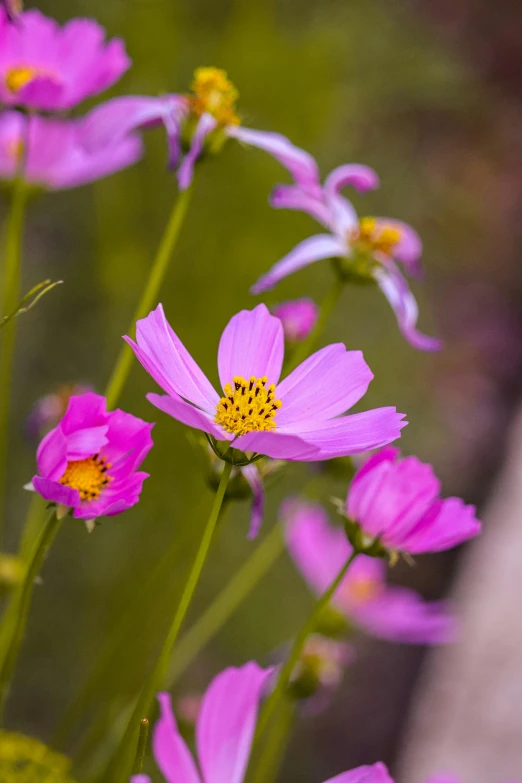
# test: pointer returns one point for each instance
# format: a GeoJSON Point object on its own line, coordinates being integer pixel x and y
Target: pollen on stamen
{"type": "Point", "coordinates": [89, 476]}
{"type": "Point", "coordinates": [17, 78]}
{"type": "Point", "coordinates": [373, 236]}
{"type": "Point", "coordinates": [248, 406]}
{"type": "Point", "coordinates": [215, 94]}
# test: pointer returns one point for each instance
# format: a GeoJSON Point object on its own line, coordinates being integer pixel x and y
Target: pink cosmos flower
{"type": "Point", "coordinates": [224, 733]}
{"type": "Point", "coordinates": [55, 158]}
{"type": "Point", "coordinates": [206, 116]}
{"type": "Point", "coordinates": [47, 67]}
{"type": "Point", "coordinates": [398, 501]}
{"type": "Point", "coordinates": [366, 249]}
{"type": "Point", "coordinates": [395, 613]}
{"type": "Point", "coordinates": [295, 419]}
{"type": "Point", "coordinates": [298, 317]}
{"type": "Point", "coordinates": [90, 461]}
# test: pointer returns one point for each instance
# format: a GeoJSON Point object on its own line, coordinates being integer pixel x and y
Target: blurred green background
{"type": "Point", "coordinates": [369, 81]}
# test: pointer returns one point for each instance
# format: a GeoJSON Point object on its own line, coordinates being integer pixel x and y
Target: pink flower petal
{"type": "Point", "coordinates": [206, 125]}
{"type": "Point", "coordinates": [354, 175]}
{"type": "Point", "coordinates": [376, 773]}
{"type": "Point", "coordinates": [252, 344]}
{"type": "Point", "coordinates": [170, 751]}
{"type": "Point", "coordinates": [313, 249]}
{"type": "Point", "coordinates": [226, 723]}
{"type": "Point", "coordinates": [54, 492]}
{"type": "Point", "coordinates": [188, 414]}
{"type": "Point", "coordinates": [279, 446]}
{"type": "Point", "coordinates": [165, 357]}
{"type": "Point", "coordinates": [325, 385]}
{"type": "Point", "coordinates": [51, 455]}
{"type": "Point", "coordinates": [295, 197]}
{"type": "Point", "coordinates": [299, 163]}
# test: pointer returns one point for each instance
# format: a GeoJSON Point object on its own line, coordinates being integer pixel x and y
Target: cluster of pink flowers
{"type": "Point", "coordinates": [89, 460]}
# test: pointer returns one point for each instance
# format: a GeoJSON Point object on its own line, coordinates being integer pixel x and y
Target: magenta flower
{"type": "Point", "coordinates": [56, 160]}
{"type": "Point", "coordinates": [295, 419]}
{"type": "Point", "coordinates": [206, 116]}
{"type": "Point", "coordinates": [298, 317]}
{"type": "Point", "coordinates": [90, 461]}
{"type": "Point", "coordinates": [224, 733]}
{"type": "Point", "coordinates": [388, 612]}
{"type": "Point", "coordinates": [368, 249]}
{"type": "Point", "coordinates": [47, 67]}
{"type": "Point", "coordinates": [397, 500]}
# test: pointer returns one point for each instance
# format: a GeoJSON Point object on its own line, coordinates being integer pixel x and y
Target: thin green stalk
{"type": "Point", "coordinates": [327, 307]}
{"type": "Point", "coordinates": [150, 293]}
{"type": "Point", "coordinates": [119, 767]}
{"type": "Point", "coordinates": [285, 673]}
{"type": "Point", "coordinates": [226, 603]}
{"type": "Point", "coordinates": [142, 746]}
{"type": "Point", "coordinates": [10, 297]}
{"type": "Point", "coordinates": [40, 550]}
{"type": "Point", "coordinates": [271, 756]}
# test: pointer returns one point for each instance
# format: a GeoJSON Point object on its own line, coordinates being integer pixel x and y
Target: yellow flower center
{"type": "Point", "coordinates": [248, 406]}
{"type": "Point", "coordinates": [215, 94]}
{"type": "Point", "coordinates": [89, 476]}
{"type": "Point", "coordinates": [18, 77]}
{"type": "Point", "coordinates": [362, 589]}
{"type": "Point", "coordinates": [371, 237]}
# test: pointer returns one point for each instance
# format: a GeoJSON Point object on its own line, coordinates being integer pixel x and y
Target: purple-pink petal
{"type": "Point", "coordinates": [299, 163]}
{"type": "Point", "coordinates": [295, 197]}
{"type": "Point", "coordinates": [278, 445]}
{"type": "Point", "coordinates": [376, 773]}
{"type": "Point", "coordinates": [226, 723]}
{"type": "Point", "coordinates": [252, 476]}
{"type": "Point", "coordinates": [51, 455]}
{"type": "Point", "coordinates": [206, 124]}
{"type": "Point", "coordinates": [170, 751]}
{"type": "Point", "coordinates": [298, 317]}
{"type": "Point", "coordinates": [325, 385]}
{"type": "Point", "coordinates": [188, 414]}
{"type": "Point", "coordinates": [313, 249]}
{"type": "Point", "coordinates": [354, 175]}
{"type": "Point", "coordinates": [252, 344]}
{"type": "Point", "coordinates": [55, 492]}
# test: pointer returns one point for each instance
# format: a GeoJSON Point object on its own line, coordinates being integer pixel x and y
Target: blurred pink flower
{"type": "Point", "coordinates": [395, 613]}
{"type": "Point", "coordinates": [206, 116]}
{"type": "Point", "coordinates": [55, 159]}
{"type": "Point", "coordinates": [367, 249]}
{"type": "Point", "coordinates": [297, 419]}
{"type": "Point", "coordinates": [224, 733]}
{"type": "Point", "coordinates": [48, 410]}
{"type": "Point", "coordinates": [298, 317]}
{"type": "Point", "coordinates": [89, 461]}
{"type": "Point", "coordinates": [47, 67]}
{"type": "Point", "coordinates": [397, 500]}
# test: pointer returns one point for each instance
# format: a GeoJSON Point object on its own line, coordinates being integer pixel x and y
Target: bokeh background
{"type": "Point", "coordinates": [428, 94]}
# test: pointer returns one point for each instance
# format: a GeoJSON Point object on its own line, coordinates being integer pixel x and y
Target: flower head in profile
{"type": "Point", "coordinates": [224, 733]}
{"type": "Point", "coordinates": [195, 122]}
{"type": "Point", "coordinates": [367, 249]}
{"type": "Point", "coordinates": [298, 317]}
{"type": "Point", "coordinates": [89, 462]}
{"type": "Point", "coordinates": [54, 157]}
{"type": "Point", "coordinates": [298, 418]}
{"type": "Point", "coordinates": [397, 501]}
{"type": "Point", "coordinates": [388, 612]}
{"type": "Point", "coordinates": [47, 67]}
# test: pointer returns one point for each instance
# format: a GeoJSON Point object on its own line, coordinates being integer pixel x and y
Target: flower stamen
{"type": "Point", "coordinates": [372, 236]}
{"type": "Point", "coordinates": [17, 78]}
{"type": "Point", "coordinates": [89, 476]}
{"type": "Point", "coordinates": [248, 406]}
{"type": "Point", "coordinates": [214, 94]}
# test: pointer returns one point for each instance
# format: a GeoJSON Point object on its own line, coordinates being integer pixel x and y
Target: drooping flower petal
{"type": "Point", "coordinates": [299, 163]}
{"type": "Point", "coordinates": [252, 345]}
{"type": "Point", "coordinates": [226, 723]}
{"type": "Point", "coordinates": [187, 414]}
{"type": "Point", "coordinates": [313, 249]}
{"type": "Point", "coordinates": [397, 292]}
{"type": "Point", "coordinates": [354, 175]}
{"type": "Point", "coordinates": [205, 126]}
{"type": "Point", "coordinates": [295, 197]}
{"type": "Point", "coordinates": [326, 384]}
{"type": "Point", "coordinates": [170, 751]}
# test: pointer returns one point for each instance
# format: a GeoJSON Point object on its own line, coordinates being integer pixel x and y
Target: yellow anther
{"type": "Point", "coordinates": [17, 78]}
{"type": "Point", "coordinates": [248, 406]}
{"type": "Point", "coordinates": [214, 93]}
{"type": "Point", "coordinates": [373, 236]}
{"type": "Point", "coordinates": [89, 476]}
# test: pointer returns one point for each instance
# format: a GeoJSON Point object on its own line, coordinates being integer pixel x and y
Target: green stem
{"type": "Point", "coordinates": [328, 305]}
{"type": "Point", "coordinates": [10, 298]}
{"type": "Point", "coordinates": [142, 746]}
{"type": "Point", "coordinates": [148, 299]}
{"type": "Point", "coordinates": [271, 756]}
{"type": "Point", "coordinates": [226, 602]}
{"type": "Point", "coordinates": [118, 769]}
{"type": "Point", "coordinates": [40, 550]}
{"type": "Point", "coordinates": [285, 673]}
